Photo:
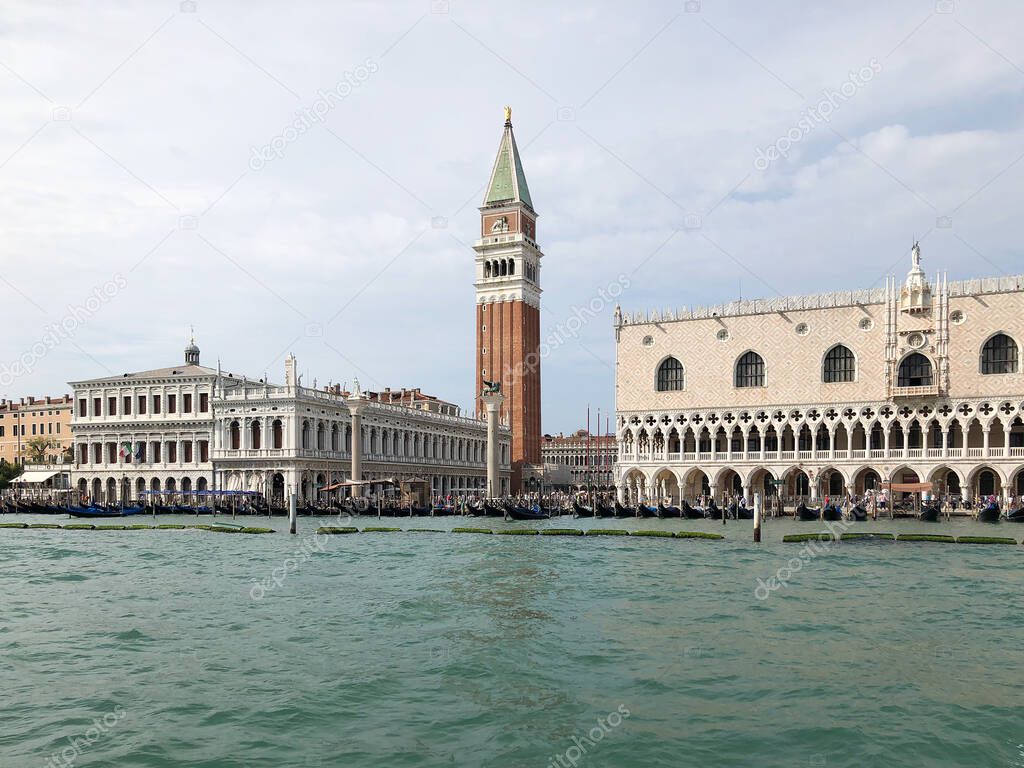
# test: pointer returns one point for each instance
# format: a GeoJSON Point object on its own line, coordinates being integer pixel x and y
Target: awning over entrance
{"type": "Point", "coordinates": [34, 476]}
{"type": "Point", "coordinates": [907, 487]}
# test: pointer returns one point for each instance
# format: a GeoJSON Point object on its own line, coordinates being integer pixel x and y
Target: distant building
{"type": "Point", "coordinates": [22, 420]}
{"type": "Point", "coordinates": [588, 459]}
{"type": "Point", "coordinates": [413, 398]}
{"type": "Point", "coordinates": [826, 394]}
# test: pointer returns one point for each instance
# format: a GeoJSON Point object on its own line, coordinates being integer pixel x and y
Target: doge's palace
{"type": "Point", "coordinates": [918, 381]}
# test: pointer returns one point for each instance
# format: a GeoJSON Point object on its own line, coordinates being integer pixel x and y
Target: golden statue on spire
{"type": "Point", "coordinates": [508, 114]}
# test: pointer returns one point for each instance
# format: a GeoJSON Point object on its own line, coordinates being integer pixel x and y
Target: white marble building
{"type": "Point", "coordinates": [192, 428]}
{"type": "Point", "coordinates": [150, 430]}
{"type": "Point", "coordinates": [272, 439]}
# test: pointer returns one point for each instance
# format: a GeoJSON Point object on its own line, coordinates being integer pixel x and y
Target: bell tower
{"type": "Point", "coordinates": [508, 302]}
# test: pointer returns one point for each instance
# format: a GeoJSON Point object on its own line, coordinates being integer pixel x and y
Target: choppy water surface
{"type": "Point", "coordinates": [177, 648]}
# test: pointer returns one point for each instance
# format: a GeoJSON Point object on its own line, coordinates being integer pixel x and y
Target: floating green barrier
{"type": "Point", "coordinates": [108, 527]}
{"type": "Point", "coordinates": [472, 530]}
{"type": "Point", "coordinates": [426, 530]}
{"type": "Point", "coordinates": [520, 532]}
{"type": "Point", "coordinates": [382, 530]}
{"type": "Point", "coordinates": [792, 538]}
{"type": "Point", "coordinates": [201, 527]}
{"type": "Point", "coordinates": [171, 527]}
{"type": "Point", "coordinates": [985, 540]}
{"type": "Point", "coordinates": [138, 527]}
{"type": "Point", "coordinates": [561, 532]}
{"type": "Point", "coordinates": [43, 525]}
{"type": "Point", "coordinates": [252, 529]}
{"type": "Point", "coordinates": [332, 531]}
{"type": "Point", "coordinates": [80, 527]}
{"type": "Point", "coordinates": [13, 525]}
{"type": "Point", "coordinates": [868, 536]}
{"type": "Point", "coordinates": [656, 534]}
{"type": "Point", "coordinates": [698, 535]}
{"type": "Point", "coordinates": [607, 532]}
{"type": "Point", "coordinates": [937, 538]}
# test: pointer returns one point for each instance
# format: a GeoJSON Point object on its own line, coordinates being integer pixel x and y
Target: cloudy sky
{"type": "Point", "coordinates": [696, 151]}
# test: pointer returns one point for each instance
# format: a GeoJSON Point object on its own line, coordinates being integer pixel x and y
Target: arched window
{"type": "Point", "coordinates": [254, 435]}
{"type": "Point", "coordinates": [278, 434]}
{"type": "Point", "coordinates": [504, 267]}
{"type": "Point", "coordinates": [670, 375]}
{"type": "Point", "coordinates": [999, 355]}
{"type": "Point", "coordinates": [236, 436]}
{"type": "Point", "coordinates": [487, 269]}
{"type": "Point", "coordinates": [839, 365]}
{"type": "Point", "coordinates": [511, 266]}
{"type": "Point", "coordinates": [915, 371]}
{"type": "Point", "coordinates": [750, 370]}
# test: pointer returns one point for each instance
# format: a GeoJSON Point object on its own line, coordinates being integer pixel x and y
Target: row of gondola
{"type": "Point", "coordinates": [930, 513]}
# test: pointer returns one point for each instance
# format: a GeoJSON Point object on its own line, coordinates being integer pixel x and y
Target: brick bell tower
{"type": "Point", "coordinates": [508, 302]}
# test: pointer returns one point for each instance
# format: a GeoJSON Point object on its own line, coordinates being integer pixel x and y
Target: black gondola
{"type": "Point", "coordinates": [713, 511]}
{"type": "Point", "coordinates": [743, 512]}
{"type": "Point", "coordinates": [858, 513]}
{"type": "Point", "coordinates": [691, 513]}
{"type": "Point", "coordinates": [644, 511]}
{"type": "Point", "coordinates": [604, 509]}
{"type": "Point", "coordinates": [803, 512]}
{"type": "Point", "coordinates": [526, 513]}
{"type": "Point", "coordinates": [419, 511]}
{"type": "Point", "coordinates": [493, 510]}
{"type": "Point", "coordinates": [581, 511]}
{"type": "Point", "coordinates": [989, 513]}
{"type": "Point", "coordinates": [664, 512]}
{"type": "Point", "coordinates": [1015, 515]}
{"type": "Point", "coordinates": [929, 513]}
{"type": "Point", "coordinates": [95, 512]}
{"type": "Point", "coordinates": [621, 511]}
{"type": "Point", "coordinates": [831, 512]}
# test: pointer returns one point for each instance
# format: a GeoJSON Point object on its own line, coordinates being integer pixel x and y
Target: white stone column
{"type": "Point", "coordinates": [984, 441]}
{"type": "Point", "coordinates": [945, 441]}
{"type": "Point", "coordinates": [356, 405]}
{"type": "Point", "coordinates": [492, 402]}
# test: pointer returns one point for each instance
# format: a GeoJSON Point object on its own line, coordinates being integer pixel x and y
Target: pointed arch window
{"type": "Point", "coordinates": [915, 371]}
{"type": "Point", "coordinates": [1000, 355]}
{"type": "Point", "coordinates": [750, 370]}
{"type": "Point", "coordinates": [840, 365]}
{"type": "Point", "coordinates": [670, 375]}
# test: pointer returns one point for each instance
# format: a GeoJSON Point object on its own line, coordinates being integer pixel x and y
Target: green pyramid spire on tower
{"type": "Point", "coordinates": [508, 182]}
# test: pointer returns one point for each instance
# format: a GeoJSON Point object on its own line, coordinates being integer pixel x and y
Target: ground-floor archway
{"type": "Point", "coordinates": [666, 486]}
{"type": "Point", "coordinates": [985, 481]}
{"type": "Point", "coordinates": [697, 483]}
{"type": "Point", "coordinates": [866, 480]}
{"type": "Point", "coordinates": [277, 489]}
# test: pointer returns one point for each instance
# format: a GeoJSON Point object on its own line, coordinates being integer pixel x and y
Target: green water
{"type": "Point", "coordinates": [466, 650]}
